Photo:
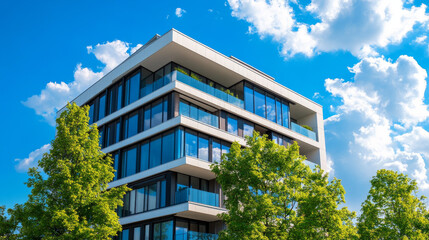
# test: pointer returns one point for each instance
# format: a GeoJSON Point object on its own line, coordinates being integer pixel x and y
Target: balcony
{"type": "Point", "coordinates": [181, 77]}
{"type": "Point", "coordinates": [303, 131]}
{"type": "Point", "coordinates": [198, 196]}
{"type": "Point", "coordinates": [191, 235]}
{"type": "Point", "coordinates": [198, 114]}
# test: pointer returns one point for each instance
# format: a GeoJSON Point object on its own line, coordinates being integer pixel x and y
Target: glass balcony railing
{"type": "Point", "coordinates": [191, 235]}
{"type": "Point", "coordinates": [301, 130]}
{"type": "Point", "coordinates": [198, 196]}
{"type": "Point", "coordinates": [181, 77]}
{"type": "Point", "coordinates": [199, 115]}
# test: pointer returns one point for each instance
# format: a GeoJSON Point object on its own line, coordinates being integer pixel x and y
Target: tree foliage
{"type": "Point", "coordinates": [69, 199]}
{"type": "Point", "coordinates": [7, 225]}
{"type": "Point", "coordinates": [271, 194]}
{"type": "Point", "coordinates": [392, 209]}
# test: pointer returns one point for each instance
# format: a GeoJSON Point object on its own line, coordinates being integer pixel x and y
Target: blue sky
{"type": "Point", "coordinates": [365, 61]}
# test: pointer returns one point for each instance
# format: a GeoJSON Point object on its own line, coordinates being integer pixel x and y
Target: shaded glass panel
{"type": "Point", "coordinates": [179, 144]}
{"type": "Point", "coordinates": [191, 148]}
{"type": "Point", "coordinates": [181, 230]}
{"type": "Point", "coordinates": [167, 146]}
{"type": "Point", "coordinates": [116, 165]}
{"type": "Point", "coordinates": [203, 147]}
{"type": "Point", "coordinates": [102, 107]}
{"type": "Point", "coordinates": [182, 181]}
{"type": "Point", "coordinates": [137, 233]}
{"type": "Point", "coordinates": [147, 86]}
{"type": "Point", "coordinates": [163, 194]}
{"type": "Point", "coordinates": [146, 124]}
{"type": "Point", "coordinates": [279, 111]}
{"type": "Point", "coordinates": [119, 99]}
{"type": "Point", "coordinates": [140, 197]}
{"type": "Point", "coordinates": [91, 113]}
{"type": "Point", "coordinates": [260, 103]}
{"type": "Point", "coordinates": [285, 114]}
{"type": "Point", "coordinates": [184, 108]}
{"type": "Point", "coordinates": [248, 128]}
{"type": "Point", "coordinates": [158, 80]}
{"type": "Point", "coordinates": [271, 108]}
{"type": "Point", "coordinates": [144, 156]}
{"type": "Point", "coordinates": [216, 151]}
{"type": "Point", "coordinates": [125, 234]}
{"type": "Point", "coordinates": [152, 196]}
{"type": "Point", "coordinates": [156, 117]}
{"type": "Point", "coordinates": [155, 152]}
{"type": "Point", "coordinates": [167, 230]}
{"type": "Point", "coordinates": [232, 125]}
{"type": "Point", "coordinates": [248, 98]}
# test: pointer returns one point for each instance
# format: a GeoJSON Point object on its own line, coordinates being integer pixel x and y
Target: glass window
{"type": "Point", "coordinates": [152, 196]}
{"type": "Point", "coordinates": [191, 148]}
{"type": "Point", "coordinates": [116, 165]}
{"type": "Point", "coordinates": [248, 98]}
{"type": "Point", "coordinates": [155, 152]}
{"type": "Point", "coordinates": [125, 234]}
{"type": "Point", "coordinates": [110, 130]}
{"type": "Point", "coordinates": [260, 103]}
{"type": "Point", "coordinates": [163, 194]}
{"type": "Point", "coordinates": [194, 112]}
{"type": "Point", "coordinates": [129, 158]}
{"type": "Point", "coordinates": [112, 95]}
{"type": "Point", "coordinates": [131, 125]}
{"type": "Point", "coordinates": [195, 182]}
{"type": "Point", "coordinates": [137, 233]}
{"type": "Point", "coordinates": [144, 156]}
{"type": "Point", "coordinates": [204, 185]}
{"type": "Point", "coordinates": [132, 89]}
{"type": "Point", "coordinates": [248, 128]}
{"type": "Point", "coordinates": [158, 81]}
{"type": "Point", "coordinates": [203, 147]}
{"type": "Point", "coordinates": [140, 196]}
{"type": "Point", "coordinates": [285, 114]}
{"type": "Point", "coordinates": [225, 147]}
{"type": "Point", "coordinates": [167, 230]}
{"type": "Point", "coordinates": [204, 116]}
{"type": "Point", "coordinates": [119, 99]}
{"type": "Point", "coordinates": [147, 85]}
{"type": "Point", "coordinates": [156, 117]}
{"type": "Point", "coordinates": [147, 232]}
{"type": "Point", "coordinates": [147, 113]}
{"type": "Point", "coordinates": [184, 108]}
{"type": "Point", "coordinates": [179, 144]}
{"type": "Point", "coordinates": [118, 132]}
{"type": "Point", "coordinates": [101, 137]}
{"type": "Point", "coordinates": [165, 110]}
{"type": "Point", "coordinates": [279, 111]}
{"type": "Point", "coordinates": [182, 181]}
{"type": "Point", "coordinates": [167, 144]}
{"type": "Point", "coordinates": [102, 107]}
{"type": "Point", "coordinates": [181, 230]}
{"type": "Point", "coordinates": [132, 202]}
{"type": "Point", "coordinates": [271, 108]}
{"type": "Point", "coordinates": [216, 151]}
{"type": "Point", "coordinates": [232, 125]}
{"type": "Point", "coordinates": [91, 113]}
{"type": "Point", "coordinates": [126, 208]}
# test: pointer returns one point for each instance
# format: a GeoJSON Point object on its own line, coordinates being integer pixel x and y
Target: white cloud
{"type": "Point", "coordinates": [357, 26]}
{"type": "Point", "coordinates": [377, 120]}
{"type": "Point", "coordinates": [179, 12]}
{"type": "Point", "coordinates": [137, 47]}
{"type": "Point", "coordinates": [32, 159]}
{"type": "Point", "coordinates": [421, 39]}
{"type": "Point", "coordinates": [56, 94]}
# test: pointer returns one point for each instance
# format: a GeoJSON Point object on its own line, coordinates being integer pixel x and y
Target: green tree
{"type": "Point", "coordinates": [70, 200]}
{"type": "Point", "coordinates": [392, 209]}
{"type": "Point", "coordinates": [7, 226]}
{"type": "Point", "coordinates": [265, 183]}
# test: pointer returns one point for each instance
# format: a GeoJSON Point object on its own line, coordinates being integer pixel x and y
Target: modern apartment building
{"type": "Point", "coordinates": [169, 111]}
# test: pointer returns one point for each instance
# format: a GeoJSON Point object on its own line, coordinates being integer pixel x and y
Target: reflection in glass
{"type": "Point", "coordinates": [232, 125]}
{"type": "Point", "coordinates": [191, 148]}
{"type": "Point", "coordinates": [155, 152]}
{"type": "Point", "coordinates": [203, 148]}
{"type": "Point", "coordinates": [260, 103]}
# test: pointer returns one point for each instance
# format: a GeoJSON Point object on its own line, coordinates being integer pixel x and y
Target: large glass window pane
{"type": "Point", "coordinates": [248, 98]}
{"type": "Point", "coordinates": [248, 128]}
{"type": "Point", "coordinates": [163, 194]}
{"type": "Point", "coordinates": [179, 144]}
{"type": "Point", "coordinates": [91, 113]}
{"type": "Point", "coordinates": [147, 114]}
{"type": "Point", "coordinates": [133, 202]}
{"type": "Point", "coordinates": [165, 110]}
{"type": "Point", "coordinates": [144, 156]}
{"type": "Point", "coordinates": [195, 182]}
{"type": "Point", "coordinates": [132, 89]}
{"type": "Point", "coordinates": [118, 132]}
{"type": "Point", "coordinates": [116, 165]}
{"type": "Point", "coordinates": [260, 103]}
{"type": "Point", "coordinates": [184, 108]}
{"type": "Point", "coordinates": [182, 181]}
{"type": "Point", "coordinates": [157, 231]}
{"type": "Point", "coordinates": [146, 232]}
{"type": "Point", "coordinates": [101, 137]}
{"type": "Point", "coordinates": [126, 207]}
{"type": "Point", "coordinates": [191, 147]}
{"type": "Point", "coordinates": [203, 147]}
{"type": "Point", "coordinates": [112, 99]}
{"type": "Point", "coordinates": [167, 75]}
{"type": "Point", "coordinates": [147, 85]}
{"type": "Point", "coordinates": [271, 108]}
{"type": "Point", "coordinates": [152, 196]}
{"type": "Point", "coordinates": [216, 151]}
{"type": "Point", "coordinates": [232, 125]}
{"type": "Point", "coordinates": [140, 196]}
{"type": "Point", "coordinates": [156, 117]}
{"type": "Point", "coordinates": [119, 99]}
{"type": "Point", "coordinates": [204, 116]}
{"type": "Point", "coordinates": [167, 230]}
{"type": "Point", "coordinates": [129, 158]}
{"type": "Point", "coordinates": [131, 125]}
{"type": "Point", "coordinates": [285, 114]}
{"type": "Point", "coordinates": [158, 81]}
{"type": "Point", "coordinates": [167, 145]}
{"type": "Point", "coordinates": [102, 107]}
{"type": "Point", "coordinates": [181, 230]}
{"type": "Point", "coordinates": [225, 148]}
{"type": "Point", "coordinates": [155, 152]}
{"type": "Point", "coordinates": [279, 111]}
{"type": "Point", "coordinates": [137, 233]}
{"type": "Point", "coordinates": [110, 129]}
{"type": "Point", "coordinates": [194, 112]}
{"type": "Point", "coordinates": [125, 234]}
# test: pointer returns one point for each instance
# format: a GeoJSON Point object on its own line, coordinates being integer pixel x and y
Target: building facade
{"type": "Point", "coordinates": [169, 111]}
